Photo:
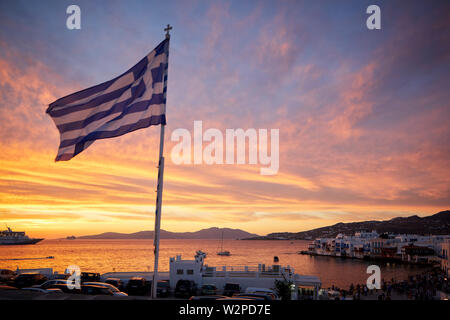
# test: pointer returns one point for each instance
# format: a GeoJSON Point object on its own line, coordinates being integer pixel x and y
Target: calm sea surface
{"type": "Point", "coordinates": [137, 255]}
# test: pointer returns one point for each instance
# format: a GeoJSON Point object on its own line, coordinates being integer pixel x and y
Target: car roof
{"type": "Point", "coordinates": [4, 287]}
{"type": "Point", "coordinates": [91, 285]}
{"type": "Point", "coordinates": [59, 280]}
{"type": "Point", "coordinates": [234, 298]}
{"type": "Point", "coordinates": [208, 297]}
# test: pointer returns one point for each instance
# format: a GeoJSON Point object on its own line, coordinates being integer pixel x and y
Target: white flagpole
{"type": "Point", "coordinates": [159, 191]}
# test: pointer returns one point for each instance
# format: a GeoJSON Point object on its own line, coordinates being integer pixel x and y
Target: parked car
{"type": "Point", "coordinates": [114, 290]}
{"type": "Point", "coordinates": [163, 289]}
{"type": "Point", "coordinates": [7, 276]}
{"type": "Point", "coordinates": [116, 282]}
{"type": "Point", "coordinates": [47, 284]}
{"type": "Point", "coordinates": [231, 288]}
{"type": "Point", "coordinates": [259, 290]}
{"type": "Point", "coordinates": [45, 291]}
{"type": "Point", "coordinates": [95, 290]}
{"type": "Point", "coordinates": [208, 290]}
{"type": "Point", "coordinates": [89, 277]}
{"type": "Point", "coordinates": [236, 298]}
{"type": "Point", "coordinates": [29, 279]}
{"type": "Point", "coordinates": [185, 288]}
{"type": "Point", "coordinates": [64, 288]}
{"type": "Point", "coordinates": [214, 297]}
{"type": "Point", "coordinates": [259, 296]}
{"type": "Point", "coordinates": [138, 286]}
{"type": "Point", "coordinates": [268, 291]}
{"type": "Point", "coordinates": [3, 287]}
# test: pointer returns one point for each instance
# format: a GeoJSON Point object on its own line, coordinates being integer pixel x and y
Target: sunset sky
{"type": "Point", "coordinates": [363, 114]}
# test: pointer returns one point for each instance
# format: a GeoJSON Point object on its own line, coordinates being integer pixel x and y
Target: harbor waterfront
{"type": "Point", "coordinates": [393, 248]}
{"type": "Point", "coordinates": [105, 256]}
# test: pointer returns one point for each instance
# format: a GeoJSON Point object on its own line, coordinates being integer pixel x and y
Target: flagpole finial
{"type": "Point", "coordinates": [167, 29]}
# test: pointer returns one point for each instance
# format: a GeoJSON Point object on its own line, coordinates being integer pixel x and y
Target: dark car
{"type": "Point", "coordinates": [95, 290]}
{"type": "Point", "coordinates": [163, 289]}
{"type": "Point", "coordinates": [116, 282]}
{"type": "Point", "coordinates": [89, 277]}
{"type": "Point", "coordinates": [208, 290]}
{"type": "Point", "coordinates": [231, 288]}
{"type": "Point", "coordinates": [138, 286]}
{"type": "Point", "coordinates": [29, 279]}
{"type": "Point", "coordinates": [185, 289]}
{"type": "Point", "coordinates": [7, 276]}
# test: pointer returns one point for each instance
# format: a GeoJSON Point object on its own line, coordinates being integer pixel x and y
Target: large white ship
{"type": "Point", "coordinates": [9, 237]}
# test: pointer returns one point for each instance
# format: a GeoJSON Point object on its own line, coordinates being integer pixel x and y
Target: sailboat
{"type": "Point", "coordinates": [223, 252]}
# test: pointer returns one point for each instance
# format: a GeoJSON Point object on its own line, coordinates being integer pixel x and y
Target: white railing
{"type": "Point", "coordinates": [247, 272]}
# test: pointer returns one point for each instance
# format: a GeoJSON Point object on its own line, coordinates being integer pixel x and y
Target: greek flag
{"type": "Point", "coordinates": [134, 100]}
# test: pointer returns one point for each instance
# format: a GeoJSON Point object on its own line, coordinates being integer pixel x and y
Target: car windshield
{"type": "Point", "coordinates": [209, 287]}
{"type": "Point", "coordinates": [163, 284]}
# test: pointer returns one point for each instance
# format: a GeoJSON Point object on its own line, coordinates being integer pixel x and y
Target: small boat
{"type": "Point", "coordinates": [223, 252]}
{"type": "Point", "coordinates": [200, 253]}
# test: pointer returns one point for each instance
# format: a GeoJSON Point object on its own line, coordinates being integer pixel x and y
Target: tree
{"type": "Point", "coordinates": [283, 289]}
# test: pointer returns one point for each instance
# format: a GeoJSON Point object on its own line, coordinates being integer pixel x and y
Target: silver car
{"type": "Point", "coordinates": [114, 290]}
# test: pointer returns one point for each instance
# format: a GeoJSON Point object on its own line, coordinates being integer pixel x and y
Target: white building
{"type": "Point", "coordinates": [246, 276]}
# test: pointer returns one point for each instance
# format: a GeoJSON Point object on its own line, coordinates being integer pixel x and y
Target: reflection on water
{"type": "Point", "coordinates": [137, 255]}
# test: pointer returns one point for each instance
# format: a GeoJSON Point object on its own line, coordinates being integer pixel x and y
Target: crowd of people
{"type": "Point", "coordinates": [423, 286]}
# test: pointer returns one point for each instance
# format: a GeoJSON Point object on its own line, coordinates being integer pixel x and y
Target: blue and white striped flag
{"type": "Point", "coordinates": [133, 100]}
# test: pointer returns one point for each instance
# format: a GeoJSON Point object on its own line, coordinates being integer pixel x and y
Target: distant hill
{"type": "Point", "coordinates": [436, 224]}
{"type": "Point", "coordinates": [211, 233]}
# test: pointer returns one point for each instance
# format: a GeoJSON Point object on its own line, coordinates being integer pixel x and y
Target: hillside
{"type": "Point", "coordinates": [436, 224]}
{"type": "Point", "coordinates": [210, 233]}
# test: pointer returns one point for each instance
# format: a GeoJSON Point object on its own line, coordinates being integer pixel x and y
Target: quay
{"type": "Point", "coordinates": [408, 249]}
